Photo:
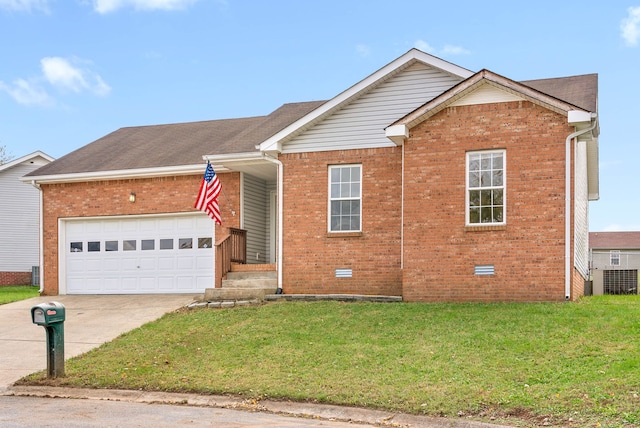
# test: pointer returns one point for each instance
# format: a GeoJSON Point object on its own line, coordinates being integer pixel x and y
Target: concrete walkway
{"type": "Point", "coordinates": [90, 322]}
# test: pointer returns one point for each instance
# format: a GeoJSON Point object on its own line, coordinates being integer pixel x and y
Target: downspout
{"type": "Point", "coordinates": [280, 218]}
{"type": "Point", "coordinates": [567, 220]}
{"type": "Point", "coordinates": [41, 243]}
{"type": "Point", "coordinates": [402, 214]}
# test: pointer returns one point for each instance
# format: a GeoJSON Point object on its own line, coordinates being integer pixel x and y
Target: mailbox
{"type": "Point", "coordinates": [49, 313]}
{"type": "Point", "coordinates": [51, 316]}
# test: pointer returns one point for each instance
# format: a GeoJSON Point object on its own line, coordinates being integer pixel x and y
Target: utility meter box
{"type": "Point", "coordinates": [46, 314]}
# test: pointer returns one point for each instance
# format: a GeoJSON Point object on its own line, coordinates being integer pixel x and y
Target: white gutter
{"type": "Point", "coordinates": [115, 175]}
{"type": "Point", "coordinates": [41, 243]}
{"type": "Point", "coordinates": [567, 220]}
{"type": "Point", "coordinates": [280, 217]}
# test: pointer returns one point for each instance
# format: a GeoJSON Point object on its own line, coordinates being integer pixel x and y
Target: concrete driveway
{"type": "Point", "coordinates": [90, 322]}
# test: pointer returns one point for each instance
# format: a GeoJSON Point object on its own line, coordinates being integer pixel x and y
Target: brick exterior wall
{"type": "Point", "coordinates": [15, 278]}
{"type": "Point", "coordinates": [111, 198]}
{"type": "Point", "coordinates": [311, 254]}
{"type": "Point", "coordinates": [528, 253]}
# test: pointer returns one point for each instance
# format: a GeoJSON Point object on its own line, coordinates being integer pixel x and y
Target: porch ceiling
{"type": "Point", "coordinates": [259, 168]}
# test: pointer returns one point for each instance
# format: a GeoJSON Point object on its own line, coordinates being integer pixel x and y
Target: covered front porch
{"type": "Point", "coordinates": [246, 248]}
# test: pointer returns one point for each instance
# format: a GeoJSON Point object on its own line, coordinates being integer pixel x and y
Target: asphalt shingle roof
{"type": "Point", "coordinates": [175, 144]}
{"type": "Point", "coordinates": [581, 91]}
{"type": "Point", "coordinates": [614, 240]}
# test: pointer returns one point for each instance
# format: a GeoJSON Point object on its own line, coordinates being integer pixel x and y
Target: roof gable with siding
{"type": "Point", "coordinates": [362, 122]}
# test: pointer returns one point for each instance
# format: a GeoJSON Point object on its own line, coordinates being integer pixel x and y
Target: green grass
{"type": "Point", "coordinates": [14, 293]}
{"type": "Point", "coordinates": [561, 364]}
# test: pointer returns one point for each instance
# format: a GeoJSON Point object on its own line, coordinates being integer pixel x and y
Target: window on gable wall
{"type": "Point", "coordinates": [614, 258]}
{"type": "Point", "coordinates": [486, 187]}
{"type": "Point", "coordinates": [345, 198]}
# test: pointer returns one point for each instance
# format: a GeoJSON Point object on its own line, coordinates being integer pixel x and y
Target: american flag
{"type": "Point", "coordinates": [207, 200]}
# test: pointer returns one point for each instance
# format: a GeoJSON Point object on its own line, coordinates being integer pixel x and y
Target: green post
{"type": "Point", "coordinates": [51, 316]}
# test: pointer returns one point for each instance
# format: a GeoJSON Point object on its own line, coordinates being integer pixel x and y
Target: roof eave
{"type": "Point", "coordinates": [114, 175]}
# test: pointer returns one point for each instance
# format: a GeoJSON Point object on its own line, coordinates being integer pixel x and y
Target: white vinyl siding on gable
{"type": "Point", "coordinates": [361, 123]}
{"type": "Point", "coordinates": [19, 219]}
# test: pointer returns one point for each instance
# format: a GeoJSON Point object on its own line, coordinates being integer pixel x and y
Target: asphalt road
{"type": "Point", "coordinates": [19, 412]}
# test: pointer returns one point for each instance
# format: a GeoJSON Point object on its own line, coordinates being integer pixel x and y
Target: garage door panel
{"type": "Point", "coordinates": [138, 255]}
{"type": "Point", "coordinates": [111, 265]}
{"type": "Point", "coordinates": [166, 283]}
{"type": "Point", "coordinates": [185, 262]}
{"type": "Point", "coordinates": [93, 265]}
{"type": "Point", "coordinates": [148, 262]}
{"type": "Point", "coordinates": [166, 263]}
{"type": "Point", "coordinates": [129, 283]}
{"type": "Point", "coordinates": [184, 282]}
{"type": "Point", "coordinates": [112, 284]}
{"type": "Point", "coordinates": [148, 283]}
{"type": "Point", "coordinates": [204, 261]}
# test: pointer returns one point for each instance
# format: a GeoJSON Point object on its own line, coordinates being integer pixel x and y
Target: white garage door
{"type": "Point", "coordinates": [139, 255]}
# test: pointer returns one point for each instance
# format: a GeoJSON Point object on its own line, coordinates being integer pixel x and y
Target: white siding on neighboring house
{"type": "Point", "coordinates": [581, 211]}
{"type": "Point", "coordinates": [19, 217]}
{"type": "Point", "coordinates": [255, 217]}
{"type": "Point", "coordinates": [361, 124]}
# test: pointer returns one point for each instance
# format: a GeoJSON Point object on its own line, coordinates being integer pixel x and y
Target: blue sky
{"type": "Point", "coordinates": [72, 71]}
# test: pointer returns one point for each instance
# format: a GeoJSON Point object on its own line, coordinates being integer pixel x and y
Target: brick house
{"type": "Point", "coordinates": [424, 180]}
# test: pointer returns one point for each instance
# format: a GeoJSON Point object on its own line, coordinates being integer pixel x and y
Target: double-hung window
{"type": "Point", "coordinates": [486, 187]}
{"type": "Point", "coordinates": [345, 198]}
{"type": "Point", "coordinates": [614, 257]}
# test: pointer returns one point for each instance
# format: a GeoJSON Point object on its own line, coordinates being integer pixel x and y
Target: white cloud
{"type": "Point", "coordinates": [423, 46]}
{"type": "Point", "coordinates": [630, 26]}
{"type": "Point", "coordinates": [27, 93]}
{"type": "Point", "coordinates": [62, 74]}
{"type": "Point", "coordinates": [447, 50]}
{"type": "Point", "coordinates": [107, 6]}
{"type": "Point", "coordinates": [25, 5]}
{"type": "Point", "coordinates": [454, 50]}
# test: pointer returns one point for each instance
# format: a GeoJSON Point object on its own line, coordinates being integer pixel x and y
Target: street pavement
{"type": "Point", "coordinates": [20, 412]}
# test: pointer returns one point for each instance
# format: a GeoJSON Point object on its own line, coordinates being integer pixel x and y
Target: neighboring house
{"type": "Point", "coordinates": [20, 220]}
{"type": "Point", "coordinates": [615, 262]}
{"type": "Point", "coordinates": [424, 180]}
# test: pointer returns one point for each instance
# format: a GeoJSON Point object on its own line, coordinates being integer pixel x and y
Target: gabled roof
{"type": "Point", "coordinates": [274, 143]}
{"type": "Point", "coordinates": [27, 158]}
{"type": "Point", "coordinates": [567, 87]}
{"type": "Point", "coordinates": [614, 240]}
{"type": "Point", "coordinates": [173, 145]}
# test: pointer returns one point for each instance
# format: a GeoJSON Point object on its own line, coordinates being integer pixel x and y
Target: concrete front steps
{"type": "Point", "coordinates": [245, 283]}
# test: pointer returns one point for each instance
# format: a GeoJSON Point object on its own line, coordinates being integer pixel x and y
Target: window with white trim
{"type": "Point", "coordinates": [486, 187]}
{"type": "Point", "coordinates": [614, 257]}
{"type": "Point", "coordinates": [345, 198]}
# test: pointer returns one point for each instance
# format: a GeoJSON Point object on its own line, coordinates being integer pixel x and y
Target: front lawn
{"type": "Point", "coordinates": [564, 364]}
{"type": "Point", "coordinates": [14, 293]}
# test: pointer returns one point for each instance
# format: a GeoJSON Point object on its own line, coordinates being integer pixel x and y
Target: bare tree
{"type": "Point", "coordinates": [5, 155]}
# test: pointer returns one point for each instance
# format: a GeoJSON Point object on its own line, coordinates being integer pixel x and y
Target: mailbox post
{"type": "Point", "coordinates": [51, 316]}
